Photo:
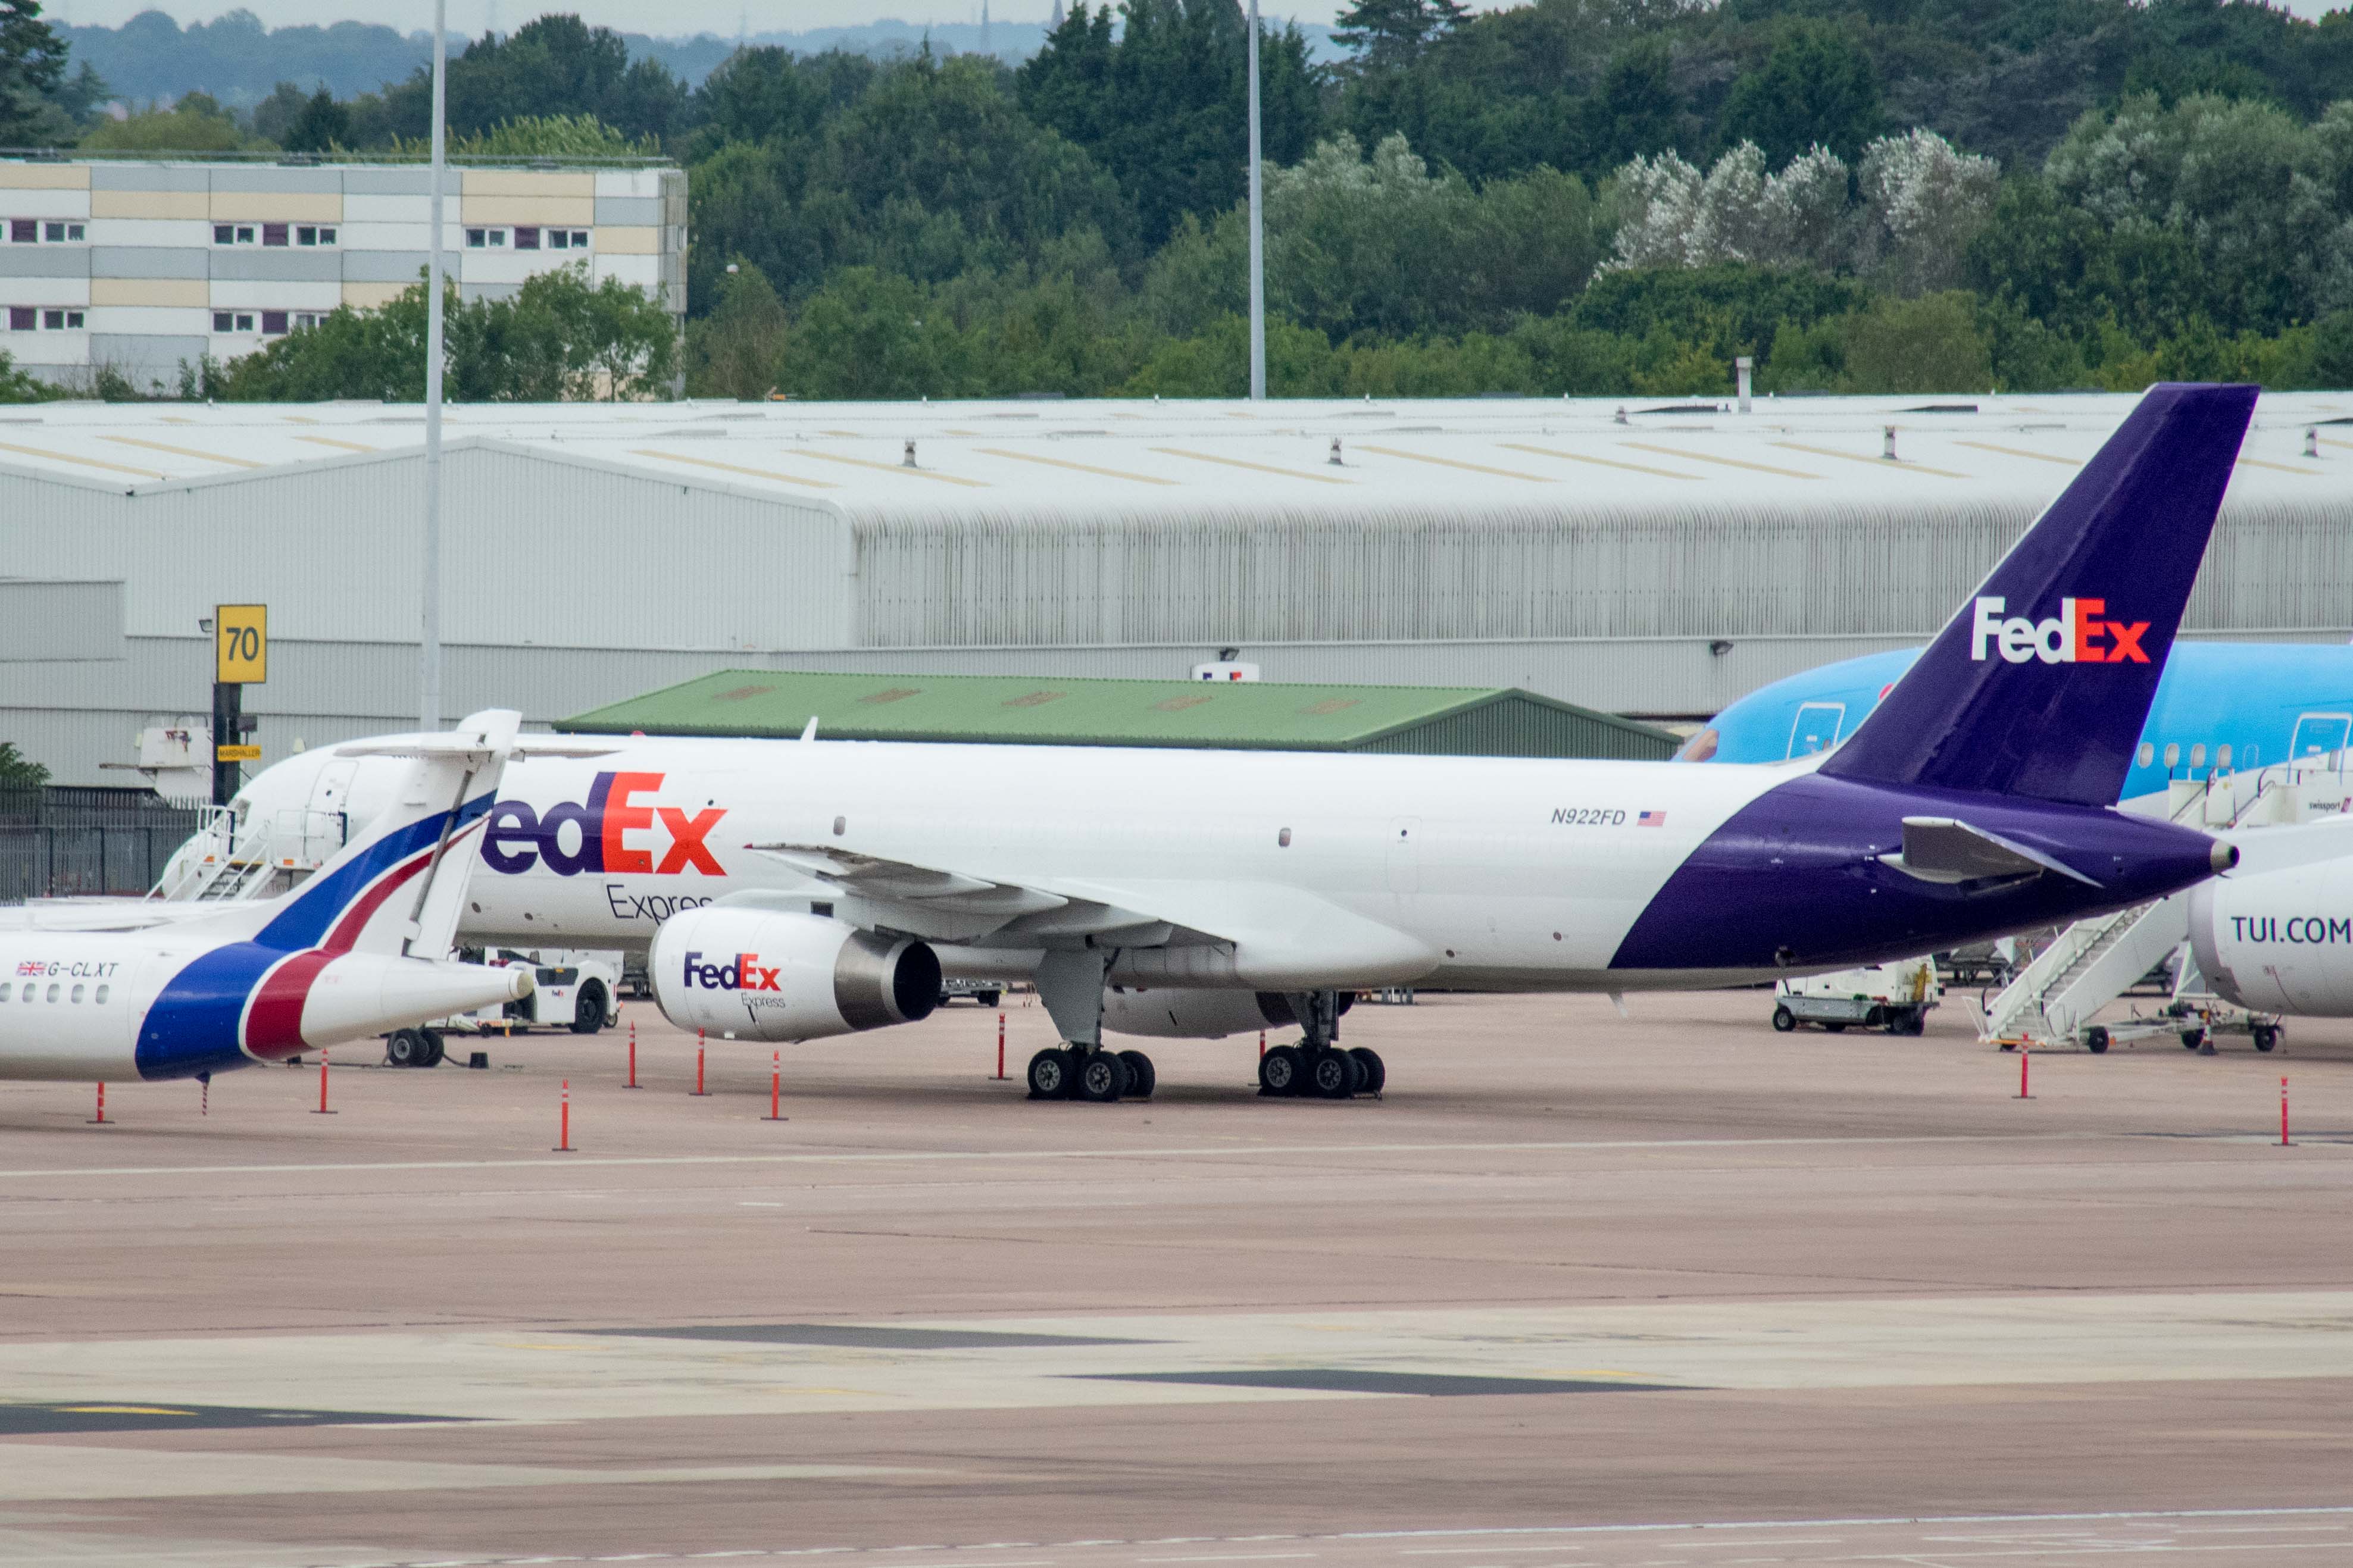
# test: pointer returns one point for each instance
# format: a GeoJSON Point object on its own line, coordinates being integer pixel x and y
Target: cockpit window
{"type": "Point", "coordinates": [1700, 747]}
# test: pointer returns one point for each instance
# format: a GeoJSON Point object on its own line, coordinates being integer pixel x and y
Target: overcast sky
{"type": "Point", "coordinates": [670, 17]}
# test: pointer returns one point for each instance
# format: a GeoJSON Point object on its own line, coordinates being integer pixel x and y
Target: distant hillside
{"type": "Point", "coordinates": [239, 61]}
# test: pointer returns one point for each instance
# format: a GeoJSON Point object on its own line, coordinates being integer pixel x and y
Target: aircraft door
{"type": "Point", "coordinates": [1815, 729]}
{"type": "Point", "coordinates": [1405, 854]}
{"type": "Point", "coordinates": [330, 796]}
{"type": "Point", "coordinates": [2320, 738]}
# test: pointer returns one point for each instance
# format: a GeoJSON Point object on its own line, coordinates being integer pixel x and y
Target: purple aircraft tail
{"type": "Point", "coordinates": [2041, 685]}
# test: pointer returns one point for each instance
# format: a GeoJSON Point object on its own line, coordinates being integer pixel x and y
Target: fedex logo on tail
{"type": "Point", "coordinates": [614, 835]}
{"type": "Point", "coordinates": [741, 973]}
{"type": "Point", "coordinates": [2080, 632]}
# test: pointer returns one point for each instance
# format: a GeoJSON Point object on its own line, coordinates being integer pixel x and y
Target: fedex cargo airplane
{"type": "Point", "coordinates": [358, 950]}
{"type": "Point", "coordinates": [792, 891]}
{"type": "Point", "coordinates": [2219, 705]}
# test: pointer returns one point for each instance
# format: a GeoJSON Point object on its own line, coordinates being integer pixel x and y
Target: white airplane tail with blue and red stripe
{"type": "Point", "coordinates": [358, 950]}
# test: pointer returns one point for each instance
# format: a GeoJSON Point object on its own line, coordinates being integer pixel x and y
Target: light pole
{"type": "Point", "coordinates": [1256, 232]}
{"type": "Point", "coordinates": [428, 670]}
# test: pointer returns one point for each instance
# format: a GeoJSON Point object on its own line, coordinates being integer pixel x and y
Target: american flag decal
{"type": "Point", "coordinates": [1651, 819]}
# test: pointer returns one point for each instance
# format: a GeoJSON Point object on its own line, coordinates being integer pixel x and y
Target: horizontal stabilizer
{"type": "Point", "coordinates": [1942, 849]}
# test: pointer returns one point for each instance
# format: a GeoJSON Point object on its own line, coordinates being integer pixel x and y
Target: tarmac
{"type": "Point", "coordinates": [1580, 1289]}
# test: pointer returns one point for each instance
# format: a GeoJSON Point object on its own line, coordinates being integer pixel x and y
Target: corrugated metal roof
{"type": "Point", "coordinates": [1034, 461]}
{"type": "Point", "coordinates": [1024, 710]}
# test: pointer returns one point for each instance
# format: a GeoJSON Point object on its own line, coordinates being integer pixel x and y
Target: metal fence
{"type": "Point", "coordinates": [64, 841]}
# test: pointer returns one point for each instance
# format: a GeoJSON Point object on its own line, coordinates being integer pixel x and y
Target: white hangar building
{"type": "Point", "coordinates": [1657, 559]}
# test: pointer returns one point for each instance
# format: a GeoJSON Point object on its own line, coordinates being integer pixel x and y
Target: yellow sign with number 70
{"type": "Point", "coordinates": [241, 644]}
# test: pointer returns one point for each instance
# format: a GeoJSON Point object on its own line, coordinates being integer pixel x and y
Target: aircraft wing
{"type": "Point", "coordinates": [943, 905]}
{"type": "Point", "coordinates": [102, 914]}
{"type": "Point", "coordinates": [1205, 930]}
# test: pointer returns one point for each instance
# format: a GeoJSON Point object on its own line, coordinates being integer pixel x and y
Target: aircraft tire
{"type": "Point", "coordinates": [1376, 1074]}
{"type": "Point", "coordinates": [2266, 1036]}
{"type": "Point", "coordinates": [1140, 1078]}
{"type": "Point", "coordinates": [1101, 1078]}
{"type": "Point", "coordinates": [1281, 1071]}
{"type": "Point", "coordinates": [1049, 1074]}
{"type": "Point", "coordinates": [1336, 1075]}
{"type": "Point", "coordinates": [407, 1048]}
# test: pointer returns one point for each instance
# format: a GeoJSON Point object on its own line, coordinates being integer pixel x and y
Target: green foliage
{"type": "Point", "coordinates": [1392, 33]}
{"type": "Point", "coordinates": [556, 67]}
{"type": "Point", "coordinates": [20, 772]}
{"type": "Point", "coordinates": [738, 350]}
{"type": "Point", "coordinates": [556, 338]}
{"type": "Point", "coordinates": [1816, 88]}
{"type": "Point", "coordinates": [195, 124]}
{"type": "Point", "coordinates": [1163, 104]}
{"type": "Point", "coordinates": [533, 136]}
{"type": "Point", "coordinates": [322, 125]}
{"type": "Point", "coordinates": [36, 107]}
{"type": "Point", "coordinates": [16, 385]}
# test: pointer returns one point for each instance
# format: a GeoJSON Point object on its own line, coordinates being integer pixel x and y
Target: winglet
{"type": "Point", "coordinates": [2041, 684]}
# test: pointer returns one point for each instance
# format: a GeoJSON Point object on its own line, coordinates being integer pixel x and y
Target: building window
{"type": "Point", "coordinates": [62, 233]}
{"type": "Point", "coordinates": [276, 234]}
{"type": "Point", "coordinates": [23, 231]}
{"type": "Point", "coordinates": [273, 323]}
{"type": "Point", "coordinates": [237, 233]}
{"type": "Point", "coordinates": [486, 239]}
{"type": "Point", "coordinates": [20, 317]}
{"type": "Point", "coordinates": [308, 318]}
{"type": "Point", "coordinates": [568, 239]}
{"type": "Point", "coordinates": [526, 238]}
{"type": "Point", "coordinates": [314, 233]}
{"type": "Point", "coordinates": [62, 320]}
{"type": "Point", "coordinates": [232, 321]}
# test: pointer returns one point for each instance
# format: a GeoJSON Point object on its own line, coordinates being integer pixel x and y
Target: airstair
{"type": "Point", "coordinates": [2089, 966]}
{"type": "Point", "coordinates": [228, 861]}
{"type": "Point", "coordinates": [2094, 961]}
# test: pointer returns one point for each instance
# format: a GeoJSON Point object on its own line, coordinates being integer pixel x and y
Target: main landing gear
{"type": "Point", "coordinates": [1097, 1073]}
{"type": "Point", "coordinates": [1319, 1066]}
{"type": "Point", "coordinates": [1070, 984]}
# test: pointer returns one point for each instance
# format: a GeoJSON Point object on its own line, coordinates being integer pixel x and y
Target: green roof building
{"type": "Point", "coordinates": [1428, 721]}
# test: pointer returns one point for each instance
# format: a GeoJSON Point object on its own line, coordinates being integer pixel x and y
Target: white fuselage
{"type": "Point", "coordinates": [1489, 873]}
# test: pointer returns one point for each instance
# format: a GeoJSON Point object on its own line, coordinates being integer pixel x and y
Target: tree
{"type": "Point", "coordinates": [1163, 104]}
{"type": "Point", "coordinates": [20, 772]}
{"type": "Point", "coordinates": [322, 126]}
{"type": "Point", "coordinates": [195, 124]}
{"type": "Point", "coordinates": [32, 76]}
{"type": "Point", "coordinates": [1392, 33]}
{"type": "Point", "coordinates": [556, 338]}
{"type": "Point", "coordinates": [738, 350]}
{"type": "Point", "coordinates": [559, 66]}
{"type": "Point", "coordinates": [1816, 87]}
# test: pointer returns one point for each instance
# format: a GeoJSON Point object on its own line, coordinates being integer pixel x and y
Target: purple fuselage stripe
{"type": "Point", "coordinates": [1793, 879]}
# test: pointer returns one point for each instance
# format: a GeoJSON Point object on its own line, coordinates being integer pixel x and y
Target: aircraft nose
{"type": "Point", "coordinates": [2225, 856]}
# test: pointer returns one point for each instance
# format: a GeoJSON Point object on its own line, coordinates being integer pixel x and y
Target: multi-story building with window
{"type": "Point", "coordinates": [143, 266]}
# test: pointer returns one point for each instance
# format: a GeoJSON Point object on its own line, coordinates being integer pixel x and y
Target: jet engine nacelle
{"type": "Point", "coordinates": [766, 974]}
{"type": "Point", "coordinates": [1193, 1015]}
{"type": "Point", "coordinates": [2281, 941]}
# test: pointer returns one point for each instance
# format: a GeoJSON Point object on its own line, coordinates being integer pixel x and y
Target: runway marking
{"type": "Point", "coordinates": [937, 1156]}
{"type": "Point", "coordinates": [1487, 1534]}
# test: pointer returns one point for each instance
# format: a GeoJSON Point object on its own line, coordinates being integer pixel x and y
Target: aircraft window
{"type": "Point", "coordinates": [1283, 839]}
{"type": "Point", "coordinates": [77, 994]}
{"type": "Point", "coordinates": [100, 996]}
{"type": "Point", "coordinates": [2222, 756]}
{"type": "Point", "coordinates": [2147, 754]}
{"type": "Point", "coordinates": [2173, 755]}
{"type": "Point", "coordinates": [53, 992]}
{"type": "Point", "coordinates": [2198, 755]}
{"type": "Point", "coordinates": [4, 990]}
